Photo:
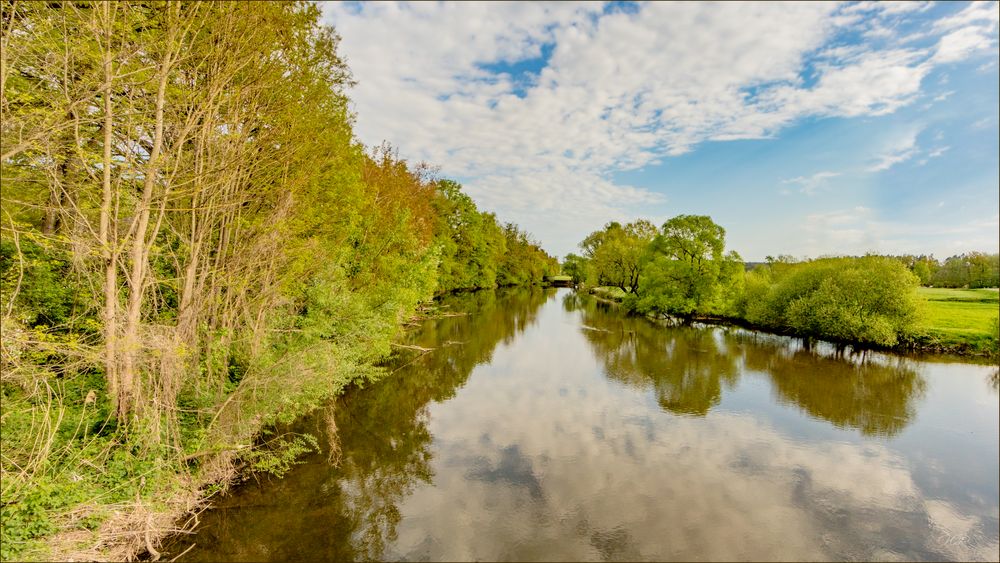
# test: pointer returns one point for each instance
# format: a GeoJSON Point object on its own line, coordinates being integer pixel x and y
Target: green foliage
{"type": "Point", "coordinates": [524, 263]}
{"type": "Point", "coordinates": [476, 251]}
{"type": "Point", "coordinates": [870, 300]}
{"type": "Point", "coordinates": [41, 278]}
{"type": "Point", "coordinates": [280, 258]}
{"type": "Point", "coordinates": [26, 519]}
{"type": "Point", "coordinates": [471, 243]}
{"type": "Point", "coordinates": [687, 272]}
{"type": "Point", "coordinates": [994, 345]}
{"type": "Point", "coordinates": [612, 293]}
{"type": "Point", "coordinates": [575, 267]}
{"type": "Point", "coordinates": [280, 454]}
{"type": "Point", "coordinates": [972, 270]}
{"type": "Point", "coordinates": [616, 253]}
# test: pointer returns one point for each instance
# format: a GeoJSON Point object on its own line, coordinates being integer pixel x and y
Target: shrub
{"type": "Point", "coordinates": [870, 300]}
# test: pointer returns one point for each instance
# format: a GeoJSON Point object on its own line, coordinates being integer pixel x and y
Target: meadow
{"type": "Point", "coordinates": [963, 318]}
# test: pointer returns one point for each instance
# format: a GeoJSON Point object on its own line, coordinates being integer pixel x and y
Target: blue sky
{"type": "Point", "coordinates": [803, 129]}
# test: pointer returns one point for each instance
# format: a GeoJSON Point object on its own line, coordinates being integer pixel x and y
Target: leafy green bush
{"type": "Point", "coordinates": [870, 300]}
{"type": "Point", "coordinates": [40, 276]}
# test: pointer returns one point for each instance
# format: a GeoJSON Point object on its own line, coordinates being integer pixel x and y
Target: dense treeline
{"type": "Point", "coordinates": [194, 246]}
{"type": "Point", "coordinates": [972, 270]}
{"type": "Point", "coordinates": [477, 251]}
{"type": "Point", "coordinates": [683, 270]}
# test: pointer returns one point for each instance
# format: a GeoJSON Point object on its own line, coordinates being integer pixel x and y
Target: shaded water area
{"type": "Point", "coordinates": [547, 426]}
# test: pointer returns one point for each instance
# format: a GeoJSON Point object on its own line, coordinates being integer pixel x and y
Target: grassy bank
{"type": "Point", "coordinates": [959, 320]}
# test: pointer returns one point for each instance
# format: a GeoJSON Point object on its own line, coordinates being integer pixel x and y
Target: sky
{"type": "Point", "coordinates": [805, 129]}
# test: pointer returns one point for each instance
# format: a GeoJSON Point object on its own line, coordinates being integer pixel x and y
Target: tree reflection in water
{"type": "Point", "coordinates": [351, 511]}
{"type": "Point", "coordinates": [687, 367]}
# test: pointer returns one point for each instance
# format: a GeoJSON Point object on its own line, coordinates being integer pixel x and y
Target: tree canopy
{"type": "Point", "coordinates": [687, 270]}
{"type": "Point", "coordinates": [683, 270]}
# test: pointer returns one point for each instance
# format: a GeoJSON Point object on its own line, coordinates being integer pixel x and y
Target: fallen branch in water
{"type": "Point", "coordinates": [411, 362]}
{"type": "Point", "coordinates": [412, 347]}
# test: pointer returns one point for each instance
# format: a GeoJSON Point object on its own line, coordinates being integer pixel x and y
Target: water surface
{"type": "Point", "coordinates": [547, 426]}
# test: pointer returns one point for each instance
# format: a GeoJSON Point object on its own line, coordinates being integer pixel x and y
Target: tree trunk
{"type": "Point", "coordinates": [109, 255]}
{"type": "Point", "coordinates": [128, 390]}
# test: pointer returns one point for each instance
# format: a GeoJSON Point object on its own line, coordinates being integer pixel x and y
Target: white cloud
{"type": "Point", "coordinates": [810, 184]}
{"type": "Point", "coordinates": [861, 229]}
{"type": "Point", "coordinates": [987, 13]}
{"type": "Point", "coordinates": [619, 91]}
{"type": "Point", "coordinates": [971, 31]}
{"type": "Point", "coordinates": [902, 150]}
{"type": "Point", "coordinates": [985, 122]}
{"type": "Point", "coordinates": [934, 153]}
{"type": "Point", "coordinates": [943, 96]}
{"type": "Point", "coordinates": [963, 43]}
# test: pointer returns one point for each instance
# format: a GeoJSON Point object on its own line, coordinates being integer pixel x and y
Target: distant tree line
{"type": "Point", "coordinates": [972, 270]}
{"type": "Point", "coordinates": [477, 251]}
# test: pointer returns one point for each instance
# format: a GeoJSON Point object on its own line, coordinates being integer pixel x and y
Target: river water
{"type": "Point", "coordinates": [546, 425]}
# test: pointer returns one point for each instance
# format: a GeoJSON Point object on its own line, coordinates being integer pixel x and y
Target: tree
{"type": "Point", "coordinates": [616, 253]}
{"type": "Point", "coordinates": [974, 269]}
{"type": "Point", "coordinates": [686, 270]}
{"type": "Point", "coordinates": [575, 267]}
{"type": "Point", "coordinates": [869, 300]}
{"type": "Point", "coordinates": [525, 262]}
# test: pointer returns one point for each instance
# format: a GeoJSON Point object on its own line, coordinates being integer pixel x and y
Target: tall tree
{"type": "Point", "coordinates": [687, 269]}
{"type": "Point", "coordinates": [617, 252]}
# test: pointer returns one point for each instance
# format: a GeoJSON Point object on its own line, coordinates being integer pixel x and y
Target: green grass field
{"type": "Point", "coordinates": [961, 317]}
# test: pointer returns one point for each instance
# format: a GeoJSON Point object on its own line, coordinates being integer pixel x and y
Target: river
{"type": "Point", "coordinates": [545, 425]}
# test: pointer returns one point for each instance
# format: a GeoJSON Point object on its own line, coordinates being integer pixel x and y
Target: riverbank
{"type": "Point", "coordinates": [114, 499]}
{"type": "Point", "coordinates": [958, 322]}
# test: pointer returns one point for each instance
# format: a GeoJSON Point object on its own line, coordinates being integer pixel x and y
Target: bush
{"type": "Point", "coordinates": [869, 300]}
{"type": "Point", "coordinates": [40, 277]}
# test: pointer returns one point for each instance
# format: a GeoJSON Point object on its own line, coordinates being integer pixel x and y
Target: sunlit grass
{"type": "Point", "coordinates": [945, 294]}
{"type": "Point", "coordinates": [961, 316]}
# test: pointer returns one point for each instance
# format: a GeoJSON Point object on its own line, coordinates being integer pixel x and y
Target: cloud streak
{"type": "Point", "coordinates": [809, 185]}
{"type": "Point", "coordinates": [904, 149]}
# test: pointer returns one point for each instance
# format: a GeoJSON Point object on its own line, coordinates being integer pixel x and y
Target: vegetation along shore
{"type": "Point", "coordinates": [197, 249]}
{"type": "Point", "coordinates": [682, 271]}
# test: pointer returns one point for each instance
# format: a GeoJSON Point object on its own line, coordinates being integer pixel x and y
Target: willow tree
{"type": "Point", "coordinates": [688, 270]}
{"type": "Point", "coordinates": [616, 253]}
